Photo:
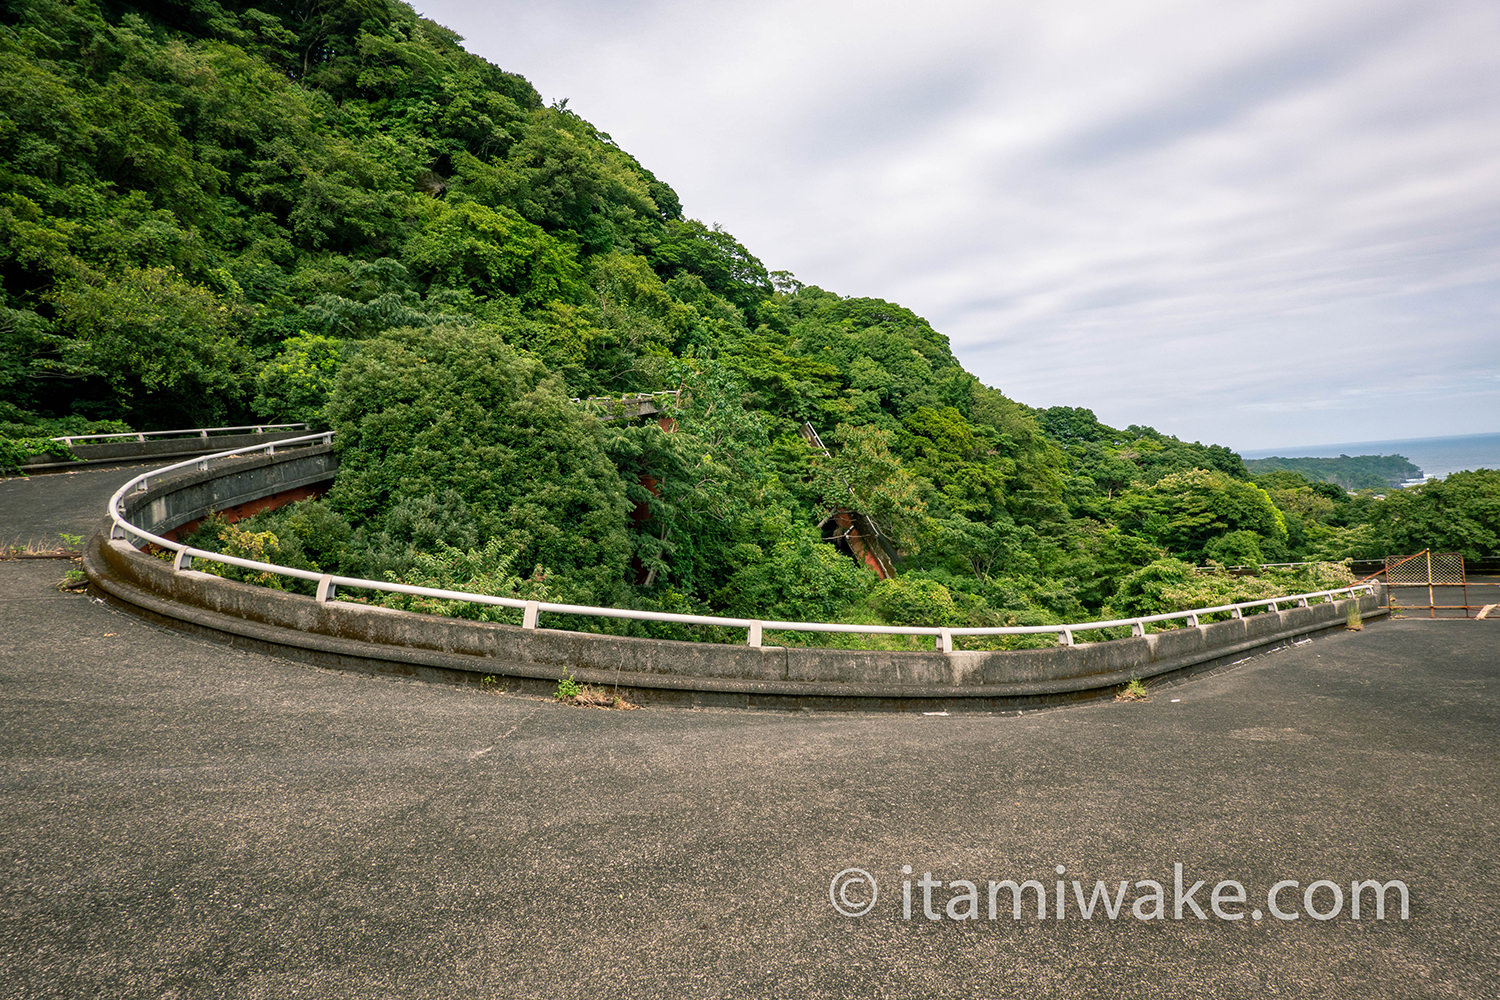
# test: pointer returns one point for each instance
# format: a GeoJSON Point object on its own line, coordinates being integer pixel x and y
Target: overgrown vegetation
{"type": "Point", "coordinates": [26, 435]}
{"type": "Point", "coordinates": [214, 212]}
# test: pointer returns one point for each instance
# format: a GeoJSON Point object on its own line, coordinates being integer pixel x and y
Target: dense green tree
{"type": "Point", "coordinates": [464, 244]}
{"type": "Point", "coordinates": [1458, 514]}
{"type": "Point", "coordinates": [453, 419]}
{"type": "Point", "coordinates": [295, 385]}
{"type": "Point", "coordinates": [725, 266]}
{"type": "Point", "coordinates": [158, 344]}
{"type": "Point", "coordinates": [1187, 511]}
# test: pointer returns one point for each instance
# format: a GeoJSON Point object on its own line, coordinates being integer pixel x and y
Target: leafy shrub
{"type": "Point", "coordinates": [25, 435]}
{"type": "Point", "coordinates": [486, 570]}
{"type": "Point", "coordinates": [17, 451]}
{"type": "Point", "coordinates": [242, 543]}
{"type": "Point", "coordinates": [448, 435]}
{"type": "Point", "coordinates": [1168, 585]}
{"type": "Point", "coordinates": [1312, 577]}
{"type": "Point", "coordinates": [914, 601]}
{"type": "Point", "coordinates": [797, 579]}
{"type": "Point", "coordinates": [295, 384]}
{"type": "Point", "coordinates": [1237, 548]}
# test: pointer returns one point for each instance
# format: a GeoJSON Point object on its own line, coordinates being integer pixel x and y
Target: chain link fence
{"type": "Point", "coordinates": [1415, 583]}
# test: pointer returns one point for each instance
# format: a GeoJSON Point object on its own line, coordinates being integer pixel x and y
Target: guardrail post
{"type": "Point", "coordinates": [115, 531]}
{"type": "Point", "coordinates": [945, 641]}
{"type": "Point", "coordinates": [1302, 602]}
{"type": "Point", "coordinates": [1065, 637]}
{"type": "Point", "coordinates": [181, 561]}
{"type": "Point", "coordinates": [1193, 620]}
{"type": "Point", "coordinates": [1137, 628]}
{"type": "Point", "coordinates": [1236, 613]}
{"type": "Point", "coordinates": [141, 438]}
{"type": "Point", "coordinates": [203, 434]}
{"type": "Point", "coordinates": [754, 637]}
{"type": "Point", "coordinates": [326, 588]}
{"type": "Point", "coordinates": [529, 619]}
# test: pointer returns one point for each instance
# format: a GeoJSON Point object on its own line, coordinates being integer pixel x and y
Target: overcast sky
{"type": "Point", "coordinates": [1256, 224]}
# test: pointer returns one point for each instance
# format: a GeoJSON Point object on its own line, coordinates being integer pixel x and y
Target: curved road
{"type": "Point", "coordinates": [178, 818]}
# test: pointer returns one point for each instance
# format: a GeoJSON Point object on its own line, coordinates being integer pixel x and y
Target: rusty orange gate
{"type": "Point", "coordinates": [1428, 576]}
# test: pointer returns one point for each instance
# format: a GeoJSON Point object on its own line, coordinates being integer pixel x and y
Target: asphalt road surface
{"type": "Point", "coordinates": [35, 510]}
{"type": "Point", "coordinates": [178, 818]}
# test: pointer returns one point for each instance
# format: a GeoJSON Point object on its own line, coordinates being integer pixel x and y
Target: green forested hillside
{"type": "Point", "coordinates": [1360, 472]}
{"type": "Point", "coordinates": [330, 211]}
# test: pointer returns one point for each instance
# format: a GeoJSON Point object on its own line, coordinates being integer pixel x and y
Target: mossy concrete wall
{"type": "Point", "coordinates": [152, 449]}
{"type": "Point", "coordinates": [188, 496]}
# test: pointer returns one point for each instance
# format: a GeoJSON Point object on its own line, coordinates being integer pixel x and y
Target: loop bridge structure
{"type": "Point", "coordinates": [137, 562]}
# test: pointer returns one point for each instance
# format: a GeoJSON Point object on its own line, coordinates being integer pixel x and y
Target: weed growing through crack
{"type": "Point", "coordinates": [70, 548]}
{"type": "Point", "coordinates": [570, 692]}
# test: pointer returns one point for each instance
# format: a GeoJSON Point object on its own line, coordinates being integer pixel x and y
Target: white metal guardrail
{"type": "Point", "coordinates": [1265, 565]}
{"type": "Point", "coordinates": [199, 432]}
{"type": "Point", "coordinates": [628, 398]}
{"type": "Point", "coordinates": [328, 584]}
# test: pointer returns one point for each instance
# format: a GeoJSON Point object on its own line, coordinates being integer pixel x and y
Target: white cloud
{"type": "Point", "coordinates": [1236, 222]}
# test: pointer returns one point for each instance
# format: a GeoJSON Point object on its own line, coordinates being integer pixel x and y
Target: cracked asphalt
{"type": "Point", "coordinates": [182, 819]}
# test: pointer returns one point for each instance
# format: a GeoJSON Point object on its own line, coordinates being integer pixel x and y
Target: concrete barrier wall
{"type": "Point", "coordinates": [187, 497]}
{"type": "Point", "coordinates": [352, 635]}
{"type": "Point", "coordinates": [152, 450]}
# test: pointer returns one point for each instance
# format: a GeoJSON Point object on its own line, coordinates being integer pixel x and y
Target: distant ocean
{"type": "Point", "coordinates": [1434, 456]}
